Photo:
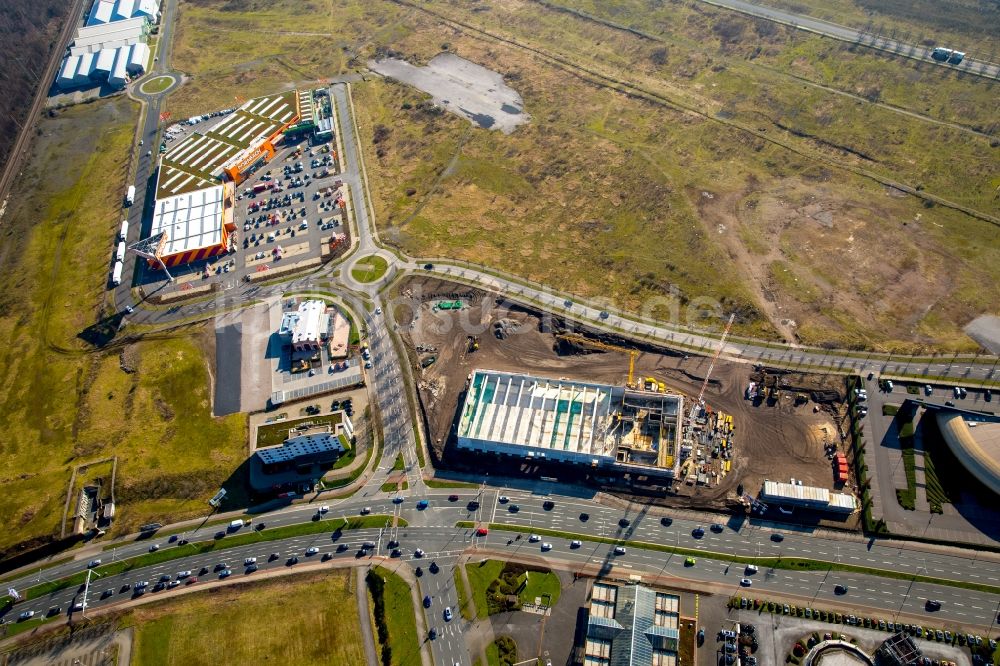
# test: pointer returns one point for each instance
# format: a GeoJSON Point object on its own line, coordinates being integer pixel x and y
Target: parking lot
{"type": "Point", "coordinates": [287, 211]}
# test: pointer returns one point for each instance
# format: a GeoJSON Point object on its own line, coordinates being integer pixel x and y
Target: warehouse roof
{"type": "Point", "coordinates": [631, 625]}
{"type": "Point", "coordinates": [520, 410]}
{"type": "Point", "coordinates": [808, 496]}
{"type": "Point", "coordinates": [95, 37]}
{"type": "Point", "coordinates": [191, 220]}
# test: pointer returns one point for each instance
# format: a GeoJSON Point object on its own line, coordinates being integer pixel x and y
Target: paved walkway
{"type": "Point", "coordinates": [364, 615]}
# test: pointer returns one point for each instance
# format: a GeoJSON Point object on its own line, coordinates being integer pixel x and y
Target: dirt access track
{"type": "Point", "coordinates": [775, 442]}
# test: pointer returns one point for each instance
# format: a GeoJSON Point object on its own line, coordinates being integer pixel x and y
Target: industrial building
{"type": "Point", "coordinates": [807, 497]}
{"type": "Point", "coordinates": [199, 174]}
{"type": "Point", "coordinates": [631, 625]}
{"type": "Point", "coordinates": [112, 11]}
{"type": "Point", "coordinates": [320, 447]}
{"type": "Point", "coordinates": [612, 428]}
{"type": "Point", "coordinates": [109, 51]}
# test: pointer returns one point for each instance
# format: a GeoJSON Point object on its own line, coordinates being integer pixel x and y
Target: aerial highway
{"type": "Point", "coordinates": [433, 530]}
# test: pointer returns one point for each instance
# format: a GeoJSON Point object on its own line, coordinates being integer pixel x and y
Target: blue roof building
{"type": "Point", "coordinates": [631, 625]}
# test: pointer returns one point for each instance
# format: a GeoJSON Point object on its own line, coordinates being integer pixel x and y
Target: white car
{"type": "Point", "coordinates": [250, 560]}
{"type": "Point", "coordinates": [26, 615]}
{"type": "Point", "coordinates": [94, 563]}
{"type": "Point", "coordinates": [503, 499]}
{"type": "Point", "coordinates": [619, 550]}
{"type": "Point", "coordinates": [418, 552]}
{"type": "Point", "coordinates": [378, 311]}
{"type": "Point", "coordinates": [746, 582]}
{"type": "Point", "coordinates": [534, 537]}
{"type": "Point", "coordinates": [546, 546]}
{"type": "Point", "coordinates": [183, 574]}
{"type": "Point", "coordinates": [575, 543]}
{"type": "Point", "coordinates": [365, 511]}
{"type": "Point", "coordinates": [155, 547]}
{"type": "Point", "coordinates": [751, 569]}
{"type": "Point", "coordinates": [312, 550]}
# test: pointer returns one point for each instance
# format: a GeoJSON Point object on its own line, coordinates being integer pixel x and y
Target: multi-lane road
{"type": "Point", "coordinates": [432, 529]}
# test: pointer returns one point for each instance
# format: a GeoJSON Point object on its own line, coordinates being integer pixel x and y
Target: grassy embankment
{"type": "Point", "coordinates": [530, 586]}
{"type": "Point", "coordinates": [63, 404]}
{"type": "Point", "coordinates": [395, 621]}
{"type": "Point", "coordinates": [317, 614]}
{"type": "Point", "coordinates": [793, 196]}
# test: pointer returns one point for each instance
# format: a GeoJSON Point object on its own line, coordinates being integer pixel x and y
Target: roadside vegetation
{"type": "Point", "coordinates": [800, 216]}
{"type": "Point", "coordinates": [237, 624]}
{"type": "Point", "coordinates": [64, 403]}
{"type": "Point", "coordinates": [502, 652]}
{"type": "Point", "coordinates": [494, 582]}
{"type": "Point", "coordinates": [395, 621]}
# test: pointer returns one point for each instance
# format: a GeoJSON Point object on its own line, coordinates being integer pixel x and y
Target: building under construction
{"type": "Point", "coordinates": [600, 426]}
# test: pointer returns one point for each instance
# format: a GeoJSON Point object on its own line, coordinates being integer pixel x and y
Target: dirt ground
{"type": "Point", "coordinates": [772, 441]}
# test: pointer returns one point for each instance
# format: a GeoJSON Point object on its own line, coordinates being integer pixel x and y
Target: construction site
{"type": "Point", "coordinates": [659, 423]}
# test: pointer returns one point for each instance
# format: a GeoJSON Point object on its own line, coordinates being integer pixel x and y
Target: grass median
{"type": "Point", "coordinates": [201, 547]}
{"type": "Point", "coordinates": [792, 563]}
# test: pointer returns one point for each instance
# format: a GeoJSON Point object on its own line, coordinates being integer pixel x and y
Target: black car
{"type": "Point", "coordinates": [393, 543]}
{"type": "Point", "coordinates": [159, 586]}
{"type": "Point", "coordinates": [584, 517]}
{"type": "Point", "coordinates": [717, 528]}
{"type": "Point", "coordinates": [395, 553]}
{"type": "Point", "coordinates": [933, 605]}
{"type": "Point", "coordinates": [472, 506]}
{"type": "Point", "coordinates": [292, 560]}
{"type": "Point", "coordinates": [341, 547]}
{"type": "Point", "coordinates": [434, 568]}
{"type": "Point", "coordinates": [432, 634]}
{"type": "Point", "coordinates": [698, 533]}
{"type": "Point", "coordinates": [251, 568]}
{"type": "Point", "coordinates": [624, 522]}
{"type": "Point", "coordinates": [513, 508]}
{"type": "Point", "coordinates": [428, 267]}
{"type": "Point", "coordinates": [107, 593]}
{"type": "Point", "coordinates": [419, 571]}
{"type": "Point", "coordinates": [666, 522]}
{"type": "Point", "coordinates": [427, 601]}
{"type": "Point", "coordinates": [840, 589]}
{"type": "Point", "coordinates": [777, 537]}
{"type": "Point", "coordinates": [549, 505]}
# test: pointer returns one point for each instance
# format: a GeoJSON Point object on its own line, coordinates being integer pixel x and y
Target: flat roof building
{"type": "Point", "coordinates": [90, 39]}
{"type": "Point", "coordinates": [562, 420]}
{"type": "Point", "coordinates": [317, 447]}
{"type": "Point", "coordinates": [631, 625]}
{"type": "Point", "coordinates": [308, 327]}
{"type": "Point", "coordinates": [112, 11]}
{"type": "Point", "coordinates": [194, 225]}
{"type": "Point", "coordinates": [809, 497]}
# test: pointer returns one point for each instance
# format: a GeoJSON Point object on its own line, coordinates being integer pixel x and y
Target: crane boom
{"type": "Point", "coordinates": [597, 344]}
{"type": "Point", "coordinates": [711, 366]}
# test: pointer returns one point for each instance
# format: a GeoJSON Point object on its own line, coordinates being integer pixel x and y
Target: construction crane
{"type": "Point", "coordinates": [711, 366]}
{"type": "Point", "coordinates": [597, 344]}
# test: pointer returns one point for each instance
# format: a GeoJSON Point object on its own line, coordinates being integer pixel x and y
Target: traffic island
{"type": "Point", "coordinates": [369, 269]}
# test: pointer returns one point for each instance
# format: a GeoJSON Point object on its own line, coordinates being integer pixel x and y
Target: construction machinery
{"type": "Point", "coordinates": [597, 344]}
{"type": "Point", "coordinates": [472, 343]}
{"type": "Point", "coordinates": [700, 402]}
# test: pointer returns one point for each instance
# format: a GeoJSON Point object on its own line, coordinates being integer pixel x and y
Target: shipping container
{"type": "Point", "coordinates": [116, 274]}
{"type": "Point", "coordinates": [123, 234]}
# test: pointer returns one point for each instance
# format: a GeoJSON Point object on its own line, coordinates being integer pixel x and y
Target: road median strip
{"type": "Point", "coordinates": [212, 545]}
{"type": "Point", "coordinates": [790, 563]}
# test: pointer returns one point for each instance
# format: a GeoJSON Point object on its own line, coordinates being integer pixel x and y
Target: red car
{"type": "Point", "coordinates": [482, 531]}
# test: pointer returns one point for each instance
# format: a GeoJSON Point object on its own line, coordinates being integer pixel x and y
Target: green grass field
{"type": "Point", "coordinates": [463, 595]}
{"type": "Point", "coordinates": [369, 269]}
{"type": "Point", "coordinates": [235, 625]}
{"type": "Point", "coordinates": [305, 44]}
{"type": "Point", "coordinates": [64, 404]}
{"type": "Point", "coordinates": [770, 162]}
{"type": "Point", "coordinates": [480, 575]}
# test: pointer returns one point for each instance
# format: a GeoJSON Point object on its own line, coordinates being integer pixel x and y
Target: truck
{"type": "Point", "coordinates": [130, 195]}
{"type": "Point", "coordinates": [116, 274]}
{"type": "Point", "coordinates": [123, 234]}
{"type": "Point", "coordinates": [120, 252]}
{"type": "Point", "coordinates": [235, 525]}
{"type": "Point", "coordinates": [260, 187]}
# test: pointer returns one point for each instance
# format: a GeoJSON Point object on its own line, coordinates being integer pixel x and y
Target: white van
{"type": "Point", "coordinates": [120, 252]}
{"type": "Point", "coordinates": [123, 234]}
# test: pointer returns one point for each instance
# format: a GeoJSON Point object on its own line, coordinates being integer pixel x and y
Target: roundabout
{"type": "Point", "coordinates": [157, 85]}
{"type": "Point", "coordinates": [368, 269]}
